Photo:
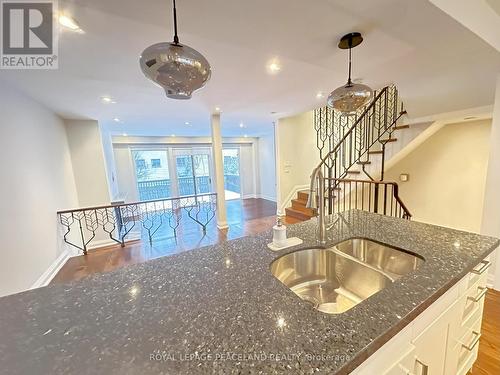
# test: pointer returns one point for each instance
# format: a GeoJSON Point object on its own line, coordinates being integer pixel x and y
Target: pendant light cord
{"type": "Point", "coordinates": [176, 38]}
{"type": "Point", "coordinates": [349, 82]}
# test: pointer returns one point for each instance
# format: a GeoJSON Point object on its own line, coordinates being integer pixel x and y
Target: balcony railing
{"type": "Point", "coordinates": [82, 226]}
{"type": "Point", "coordinates": [155, 189]}
{"type": "Point", "coordinates": [232, 183]}
{"type": "Point", "coordinates": [162, 189]}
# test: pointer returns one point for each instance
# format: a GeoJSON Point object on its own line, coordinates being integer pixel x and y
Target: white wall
{"type": "Point", "coordinates": [127, 189]}
{"type": "Point", "coordinates": [248, 172]}
{"type": "Point", "coordinates": [297, 155]}
{"type": "Point", "coordinates": [447, 176]}
{"type": "Point", "coordinates": [87, 156]}
{"type": "Point", "coordinates": [267, 167]}
{"type": "Point", "coordinates": [109, 159]}
{"type": "Point", "coordinates": [37, 180]}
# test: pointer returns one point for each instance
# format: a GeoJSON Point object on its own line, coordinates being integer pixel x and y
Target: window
{"type": "Point", "coordinates": [140, 164]}
{"type": "Point", "coordinates": [151, 172]}
{"type": "Point", "coordinates": [155, 163]}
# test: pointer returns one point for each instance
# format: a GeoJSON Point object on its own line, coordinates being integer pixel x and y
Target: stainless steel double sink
{"type": "Point", "coordinates": [337, 278]}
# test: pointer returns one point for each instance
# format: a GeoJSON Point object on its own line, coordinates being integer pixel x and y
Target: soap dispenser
{"type": "Point", "coordinates": [279, 233]}
{"type": "Point", "coordinates": [280, 241]}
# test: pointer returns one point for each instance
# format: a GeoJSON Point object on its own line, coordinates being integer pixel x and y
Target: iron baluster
{"type": "Point", "coordinates": [118, 220]}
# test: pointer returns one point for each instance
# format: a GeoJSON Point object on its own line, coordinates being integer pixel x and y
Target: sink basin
{"type": "Point", "coordinates": [391, 261]}
{"type": "Point", "coordinates": [336, 279]}
{"type": "Point", "coordinates": [332, 283]}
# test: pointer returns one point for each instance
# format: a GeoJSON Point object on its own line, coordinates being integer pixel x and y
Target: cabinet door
{"type": "Point", "coordinates": [404, 365]}
{"type": "Point", "coordinates": [430, 348]}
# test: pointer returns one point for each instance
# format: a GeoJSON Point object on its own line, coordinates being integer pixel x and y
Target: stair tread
{"type": "Point", "coordinates": [388, 140]}
{"type": "Point", "coordinates": [300, 205]}
{"type": "Point", "coordinates": [364, 162]}
{"type": "Point", "coordinates": [401, 127]}
{"type": "Point", "coordinates": [354, 172]}
{"type": "Point", "coordinates": [375, 152]}
{"type": "Point", "coordinates": [297, 213]}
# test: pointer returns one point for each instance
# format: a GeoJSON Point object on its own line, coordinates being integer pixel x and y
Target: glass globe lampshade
{"type": "Point", "coordinates": [349, 98]}
{"type": "Point", "coordinates": [178, 69]}
{"type": "Point", "coordinates": [352, 96]}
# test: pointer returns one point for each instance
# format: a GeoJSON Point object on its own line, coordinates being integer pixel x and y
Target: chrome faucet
{"type": "Point", "coordinates": [317, 193]}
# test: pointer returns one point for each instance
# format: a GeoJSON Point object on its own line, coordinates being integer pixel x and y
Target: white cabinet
{"type": "Point", "coordinates": [431, 345]}
{"type": "Point", "coordinates": [403, 365]}
{"type": "Point", "coordinates": [443, 340]}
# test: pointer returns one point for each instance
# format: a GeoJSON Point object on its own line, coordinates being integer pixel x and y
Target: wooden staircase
{"type": "Point", "coordinates": [299, 210]}
{"type": "Point", "coordinates": [362, 143]}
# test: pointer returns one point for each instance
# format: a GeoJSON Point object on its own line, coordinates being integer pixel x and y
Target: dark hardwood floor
{"type": "Point", "coordinates": [488, 360]}
{"type": "Point", "coordinates": [245, 217]}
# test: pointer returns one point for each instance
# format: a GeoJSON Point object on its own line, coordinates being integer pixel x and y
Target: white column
{"type": "Point", "coordinates": [219, 171]}
{"type": "Point", "coordinates": [491, 211]}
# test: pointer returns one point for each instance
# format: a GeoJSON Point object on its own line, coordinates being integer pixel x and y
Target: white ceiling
{"type": "Point", "coordinates": [439, 65]}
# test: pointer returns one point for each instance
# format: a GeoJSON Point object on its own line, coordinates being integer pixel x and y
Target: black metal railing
{"type": "Point", "coordinates": [83, 225]}
{"type": "Point", "coordinates": [162, 189]}
{"type": "Point", "coordinates": [344, 140]}
{"type": "Point", "coordinates": [373, 196]}
{"type": "Point", "coordinates": [155, 189]}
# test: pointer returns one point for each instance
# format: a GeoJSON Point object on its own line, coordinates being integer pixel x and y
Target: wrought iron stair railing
{"type": "Point", "coordinates": [346, 140]}
{"type": "Point", "coordinates": [373, 196]}
{"type": "Point", "coordinates": [82, 226]}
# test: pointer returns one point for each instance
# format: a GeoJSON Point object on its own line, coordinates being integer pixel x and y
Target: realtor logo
{"type": "Point", "coordinates": [29, 37]}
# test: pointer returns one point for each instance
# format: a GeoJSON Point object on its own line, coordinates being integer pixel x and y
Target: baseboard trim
{"type": "Point", "coordinates": [288, 199]}
{"type": "Point", "coordinates": [103, 243]}
{"type": "Point", "coordinates": [222, 225]}
{"type": "Point", "coordinates": [267, 198]}
{"type": "Point", "coordinates": [249, 196]}
{"type": "Point", "coordinates": [52, 271]}
{"type": "Point", "coordinates": [490, 281]}
{"type": "Point", "coordinates": [110, 242]}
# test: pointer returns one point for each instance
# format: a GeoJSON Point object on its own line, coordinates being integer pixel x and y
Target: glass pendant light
{"type": "Point", "coordinates": [349, 98]}
{"type": "Point", "coordinates": [178, 69]}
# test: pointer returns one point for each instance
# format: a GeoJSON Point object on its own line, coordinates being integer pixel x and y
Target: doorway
{"type": "Point", "coordinates": [162, 173]}
{"type": "Point", "coordinates": [232, 177]}
{"type": "Point", "coordinates": [193, 171]}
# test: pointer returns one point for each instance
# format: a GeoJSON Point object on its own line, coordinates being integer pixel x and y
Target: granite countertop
{"type": "Point", "coordinates": [219, 309]}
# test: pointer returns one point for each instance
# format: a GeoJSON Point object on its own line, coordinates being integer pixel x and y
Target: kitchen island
{"type": "Point", "coordinates": [219, 309]}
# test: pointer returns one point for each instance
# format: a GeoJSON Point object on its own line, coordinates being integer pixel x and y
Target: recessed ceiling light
{"type": "Point", "coordinates": [69, 23]}
{"type": "Point", "coordinates": [125, 134]}
{"type": "Point", "coordinates": [172, 135]}
{"type": "Point", "coordinates": [274, 66]}
{"type": "Point", "coordinates": [217, 109]}
{"type": "Point", "coordinates": [107, 100]}
{"type": "Point", "coordinates": [320, 95]}
{"type": "Point", "coordinates": [116, 119]}
{"type": "Point", "coordinates": [246, 136]}
{"type": "Point", "coordinates": [242, 125]}
{"type": "Point", "coordinates": [186, 123]}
